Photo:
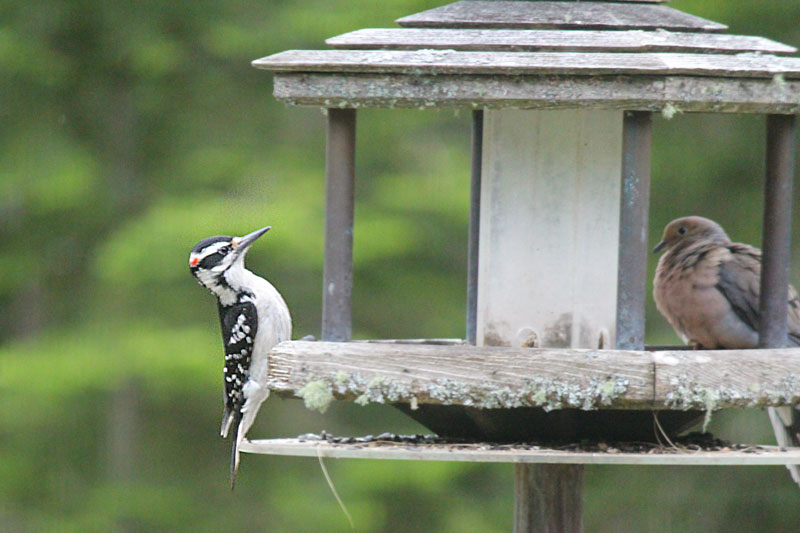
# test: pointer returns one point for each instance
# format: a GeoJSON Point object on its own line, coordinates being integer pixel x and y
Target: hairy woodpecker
{"type": "Point", "coordinates": [254, 318]}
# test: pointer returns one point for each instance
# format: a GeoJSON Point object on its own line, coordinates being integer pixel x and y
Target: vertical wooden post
{"type": "Point", "coordinates": [545, 498]}
{"type": "Point", "coordinates": [339, 184]}
{"type": "Point", "coordinates": [474, 225]}
{"type": "Point", "coordinates": [637, 127]}
{"type": "Point", "coordinates": [777, 230]}
{"type": "Point", "coordinates": [776, 245]}
{"type": "Point", "coordinates": [549, 238]}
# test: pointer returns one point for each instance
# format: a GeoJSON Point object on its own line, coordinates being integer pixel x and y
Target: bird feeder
{"type": "Point", "coordinates": [562, 95]}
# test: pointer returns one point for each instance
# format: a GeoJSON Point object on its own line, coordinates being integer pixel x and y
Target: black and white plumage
{"type": "Point", "coordinates": [254, 318]}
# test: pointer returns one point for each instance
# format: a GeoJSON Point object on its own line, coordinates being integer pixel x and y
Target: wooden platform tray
{"type": "Point", "coordinates": [551, 378]}
{"type": "Point", "coordinates": [757, 455]}
{"type": "Point", "coordinates": [505, 394]}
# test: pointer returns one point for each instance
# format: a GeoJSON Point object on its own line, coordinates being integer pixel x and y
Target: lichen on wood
{"type": "Point", "coordinates": [485, 378]}
{"type": "Point", "coordinates": [670, 110]}
{"type": "Point", "coordinates": [547, 393]}
{"type": "Point", "coordinates": [554, 378]}
{"type": "Point", "coordinates": [687, 394]}
{"type": "Point", "coordinates": [316, 395]}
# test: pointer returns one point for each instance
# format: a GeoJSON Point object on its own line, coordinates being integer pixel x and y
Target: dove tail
{"type": "Point", "coordinates": [786, 425]}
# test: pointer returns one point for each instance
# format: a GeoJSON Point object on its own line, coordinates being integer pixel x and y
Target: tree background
{"type": "Point", "coordinates": [132, 130]}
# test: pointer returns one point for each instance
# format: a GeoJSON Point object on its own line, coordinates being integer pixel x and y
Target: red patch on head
{"type": "Point", "coordinates": [193, 261]}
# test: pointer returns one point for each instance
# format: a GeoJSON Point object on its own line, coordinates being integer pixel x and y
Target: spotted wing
{"type": "Point", "coordinates": [239, 324]}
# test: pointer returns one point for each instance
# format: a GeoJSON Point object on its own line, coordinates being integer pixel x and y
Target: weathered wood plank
{"type": "Point", "coordinates": [730, 378]}
{"type": "Point", "coordinates": [492, 377]}
{"type": "Point", "coordinates": [551, 15]}
{"type": "Point", "coordinates": [555, 41]}
{"type": "Point", "coordinates": [459, 375]}
{"type": "Point", "coordinates": [487, 453]}
{"type": "Point", "coordinates": [638, 93]}
{"type": "Point", "coordinates": [538, 63]}
{"type": "Point", "coordinates": [439, 341]}
{"type": "Point", "coordinates": [548, 497]}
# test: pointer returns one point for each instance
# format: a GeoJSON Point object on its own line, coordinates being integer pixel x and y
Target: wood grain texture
{"type": "Point", "coordinates": [549, 378]}
{"type": "Point", "coordinates": [575, 216]}
{"type": "Point", "coordinates": [555, 41]}
{"type": "Point", "coordinates": [489, 453]}
{"type": "Point", "coordinates": [462, 375]}
{"type": "Point", "coordinates": [527, 63]}
{"type": "Point", "coordinates": [636, 93]}
{"type": "Point", "coordinates": [548, 498]}
{"type": "Point", "coordinates": [564, 15]}
{"type": "Point", "coordinates": [727, 378]}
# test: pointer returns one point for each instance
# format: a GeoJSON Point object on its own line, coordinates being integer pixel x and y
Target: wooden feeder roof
{"type": "Point", "coordinates": [562, 15]}
{"type": "Point", "coordinates": [544, 55]}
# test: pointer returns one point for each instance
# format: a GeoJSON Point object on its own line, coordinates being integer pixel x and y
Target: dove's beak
{"type": "Point", "coordinates": [660, 246]}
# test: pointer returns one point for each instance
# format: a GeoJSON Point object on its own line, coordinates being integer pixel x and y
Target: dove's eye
{"type": "Point", "coordinates": [681, 230]}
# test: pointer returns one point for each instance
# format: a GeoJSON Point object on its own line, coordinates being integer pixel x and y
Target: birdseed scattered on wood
{"type": "Point", "coordinates": [694, 441]}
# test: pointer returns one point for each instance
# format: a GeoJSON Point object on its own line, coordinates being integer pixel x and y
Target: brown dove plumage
{"type": "Point", "coordinates": [708, 288]}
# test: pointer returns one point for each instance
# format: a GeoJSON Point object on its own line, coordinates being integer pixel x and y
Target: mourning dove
{"type": "Point", "coordinates": [708, 288]}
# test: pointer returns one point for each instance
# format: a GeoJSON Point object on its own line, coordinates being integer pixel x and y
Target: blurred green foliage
{"type": "Point", "coordinates": [132, 130]}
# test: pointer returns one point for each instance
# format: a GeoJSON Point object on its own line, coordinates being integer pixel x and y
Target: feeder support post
{"type": "Point", "coordinates": [474, 225]}
{"type": "Point", "coordinates": [339, 197]}
{"type": "Point", "coordinates": [542, 490]}
{"type": "Point", "coordinates": [777, 230]}
{"type": "Point", "coordinates": [637, 128]}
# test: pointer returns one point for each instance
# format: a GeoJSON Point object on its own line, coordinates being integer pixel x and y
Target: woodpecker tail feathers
{"type": "Point", "coordinates": [237, 422]}
{"type": "Point", "coordinates": [227, 419]}
{"type": "Point", "coordinates": [236, 439]}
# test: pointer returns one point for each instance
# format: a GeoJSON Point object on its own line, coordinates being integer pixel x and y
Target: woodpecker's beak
{"type": "Point", "coordinates": [660, 246]}
{"type": "Point", "coordinates": [241, 244]}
